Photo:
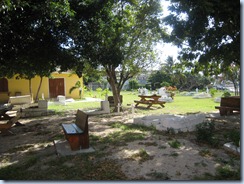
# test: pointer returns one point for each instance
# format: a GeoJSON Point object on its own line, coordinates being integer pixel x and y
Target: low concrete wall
{"type": "Point", "coordinates": [39, 109]}
{"type": "Point", "coordinates": [35, 112]}
{"type": "Point", "coordinates": [18, 100]}
{"type": "Point", "coordinates": [179, 123]}
{"type": "Point", "coordinates": [42, 104]}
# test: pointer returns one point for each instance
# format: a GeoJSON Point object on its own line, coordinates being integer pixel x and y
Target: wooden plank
{"type": "Point", "coordinates": [69, 128]}
{"type": "Point", "coordinates": [77, 133]}
{"type": "Point", "coordinates": [142, 102]}
{"type": "Point", "coordinates": [231, 108]}
{"type": "Point", "coordinates": [77, 128]}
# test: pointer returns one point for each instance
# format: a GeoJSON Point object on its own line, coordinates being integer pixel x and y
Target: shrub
{"type": "Point", "coordinates": [166, 84]}
{"type": "Point", "coordinates": [99, 91]}
{"type": "Point", "coordinates": [205, 132]}
{"type": "Point", "coordinates": [175, 144]}
{"type": "Point", "coordinates": [213, 91]}
{"type": "Point", "coordinates": [226, 94]}
{"type": "Point", "coordinates": [142, 155]}
{"type": "Point", "coordinates": [234, 136]}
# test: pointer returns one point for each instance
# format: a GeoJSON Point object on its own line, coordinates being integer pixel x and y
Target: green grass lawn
{"type": "Point", "coordinates": [180, 105]}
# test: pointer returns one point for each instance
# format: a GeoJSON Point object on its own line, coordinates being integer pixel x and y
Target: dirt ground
{"type": "Point", "coordinates": [164, 162]}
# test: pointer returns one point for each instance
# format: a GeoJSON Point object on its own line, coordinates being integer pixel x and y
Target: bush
{"type": "Point", "coordinates": [165, 84]}
{"type": "Point", "coordinates": [205, 132]}
{"type": "Point", "coordinates": [175, 144]}
{"type": "Point", "coordinates": [234, 136]}
{"type": "Point", "coordinates": [226, 94]}
{"type": "Point", "coordinates": [133, 84]}
{"type": "Point", "coordinates": [213, 91]}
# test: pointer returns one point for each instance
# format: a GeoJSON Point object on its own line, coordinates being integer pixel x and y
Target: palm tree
{"type": "Point", "coordinates": [76, 86]}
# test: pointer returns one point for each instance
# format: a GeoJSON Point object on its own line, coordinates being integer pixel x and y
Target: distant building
{"type": "Point", "coordinates": [57, 84]}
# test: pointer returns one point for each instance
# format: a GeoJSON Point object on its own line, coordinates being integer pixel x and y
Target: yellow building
{"type": "Point", "coordinates": [57, 84]}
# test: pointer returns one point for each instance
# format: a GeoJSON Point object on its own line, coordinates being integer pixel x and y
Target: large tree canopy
{"type": "Point", "coordinates": [119, 36]}
{"type": "Point", "coordinates": [38, 36]}
{"type": "Point", "coordinates": [208, 31]}
{"type": "Point", "coordinates": [32, 34]}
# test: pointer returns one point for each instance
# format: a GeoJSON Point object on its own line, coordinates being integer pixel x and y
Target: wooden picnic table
{"type": "Point", "coordinates": [3, 110]}
{"type": "Point", "coordinates": [149, 100]}
{"type": "Point", "coordinates": [11, 119]}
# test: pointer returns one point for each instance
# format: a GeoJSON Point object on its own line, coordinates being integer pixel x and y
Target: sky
{"type": "Point", "coordinates": [165, 49]}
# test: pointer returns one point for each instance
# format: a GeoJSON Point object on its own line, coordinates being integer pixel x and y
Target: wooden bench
{"type": "Point", "coordinates": [77, 133]}
{"type": "Point", "coordinates": [5, 127]}
{"type": "Point", "coordinates": [149, 102]}
{"type": "Point", "coordinates": [228, 105]}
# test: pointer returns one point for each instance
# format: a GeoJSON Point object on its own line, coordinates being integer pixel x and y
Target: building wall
{"type": "Point", "coordinates": [22, 86]}
{"type": "Point", "coordinates": [69, 81]}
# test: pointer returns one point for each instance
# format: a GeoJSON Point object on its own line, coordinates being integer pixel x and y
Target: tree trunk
{"type": "Point", "coordinates": [38, 90]}
{"type": "Point", "coordinates": [30, 90]}
{"type": "Point", "coordinates": [115, 89]}
{"type": "Point", "coordinates": [116, 95]}
{"type": "Point", "coordinates": [236, 89]}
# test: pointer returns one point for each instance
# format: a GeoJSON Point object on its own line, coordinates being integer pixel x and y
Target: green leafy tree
{"type": "Point", "coordinates": [207, 31]}
{"type": "Point", "coordinates": [133, 84]}
{"type": "Point", "coordinates": [233, 73]}
{"type": "Point", "coordinates": [117, 35]}
{"type": "Point", "coordinates": [33, 35]}
{"type": "Point", "coordinates": [158, 77]}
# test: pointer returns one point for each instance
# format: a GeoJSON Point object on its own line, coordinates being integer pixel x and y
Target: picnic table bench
{"type": "Point", "coordinates": [77, 133]}
{"type": "Point", "coordinates": [12, 118]}
{"type": "Point", "coordinates": [149, 100]}
{"type": "Point", "coordinates": [228, 105]}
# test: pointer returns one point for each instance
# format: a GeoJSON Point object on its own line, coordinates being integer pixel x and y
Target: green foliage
{"type": "Point", "coordinates": [130, 127]}
{"type": "Point", "coordinates": [170, 130]}
{"type": "Point", "coordinates": [227, 173]}
{"type": "Point", "coordinates": [212, 91]}
{"type": "Point", "coordinates": [179, 77]}
{"type": "Point", "coordinates": [205, 132]}
{"type": "Point", "coordinates": [75, 87]}
{"type": "Point", "coordinates": [157, 78]}
{"type": "Point", "coordinates": [175, 144]}
{"type": "Point", "coordinates": [159, 176]}
{"type": "Point", "coordinates": [103, 37]}
{"type": "Point", "coordinates": [122, 137]}
{"type": "Point", "coordinates": [99, 91]}
{"type": "Point", "coordinates": [181, 104]}
{"type": "Point", "coordinates": [233, 73]}
{"type": "Point", "coordinates": [142, 155]}
{"type": "Point", "coordinates": [234, 136]}
{"type": "Point", "coordinates": [192, 20]}
{"type": "Point", "coordinates": [26, 50]}
{"type": "Point", "coordinates": [165, 84]}
{"type": "Point", "coordinates": [205, 153]}
{"type": "Point", "coordinates": [105, 92]}
{"type": "Point", "coordinates": [18, 171]}
{"type": "Point", "coordinates": [133, 84]}
{"type": "Point", "coordinates": [93, 169]}
{"type": "Point", "coordinates": [226, 94]}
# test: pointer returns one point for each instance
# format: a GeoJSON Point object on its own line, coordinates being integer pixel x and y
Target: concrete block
{"type": "Point", "coordinates": [18, 100]}
{"type": "Point", "coordinates": [105, 106]}
{"type": "Point", "coordinates": [42, 104]}
{"type": "Point", "coordinates": [61, 99]}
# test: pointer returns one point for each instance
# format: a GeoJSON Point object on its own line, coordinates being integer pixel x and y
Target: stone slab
{"type": "Point", "coordinates": [231, 147]}
{"type": "Point", "coordinates": [63, 148]}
